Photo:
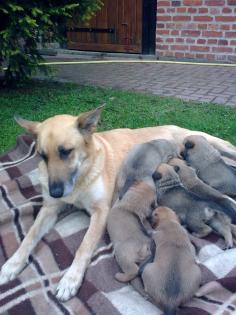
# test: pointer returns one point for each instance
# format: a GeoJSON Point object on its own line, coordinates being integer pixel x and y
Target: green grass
{"type": "Point", "coordinates": [124, 109]}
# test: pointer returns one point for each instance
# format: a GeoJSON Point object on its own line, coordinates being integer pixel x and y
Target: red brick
{"type": "Point", "coordinates": [160, 25]}
{"type": "Point", "coordinates": [179, 47]}
{"type": "Point", "coordinates": [181, 18]}
{"type": "Point", "coordinates": [160, 10]}
{"type": "Point", "coordinates": [234, 26]}
{"type": "Point", "coordinates": [200, 56]}
{"type": "Point", "coordinates": [174, 32]}
{"type": "Point", "coordinates": [170, 25]}
{"type": "Point", "coordinates": [192, 10]}
{"type": "Point", "coordinates": [160, 53]}
{"type": "Point", "coordinates": [170, 10]}
{"type": "Point", "coordinates": [189, 55]}
{"type": "Point", "coordinates": [215, 2]}
{"type": "Point", "coordinates": [190, 40]}
{"type": "Point", "coordinates": [169, 40]}
{"type": "Point", "coordinates": [159, 40]}
{"type": "Point", "coordinates": [222, 49]}
{"type": "Point", "coordinates": [212, 41]}
{"type": "Point", "coordinates": [181, 10]}
{"type": "Point", "coordinates": [212, 34]}
{"type": "Point", "coordinates": [163, 32]}
{"type": "Point", "coordinates": [162, 47]}
{"type": "Point", "coordinates": [199, 48]}
{"type": "Point", "coordinates": [176, 3]}
{"type": "Point", "coordinates": [202, 26]}
{"type": "Point", "coordinates": [190, 33]}
{"type": "Point", "coordinates": [227, 10]}
{"type": "Point", "coordinates": [210, 56]}
{"type": "Point", "coordinates": [179, 55]}
{"type": "Point", "coordinates": [222, 42]}
{"type": "Point", "coordinates": [203, 10]}
{"type": "Point", "coordinates": [179, 40]}
{"type": "Point", "coordinates": [215, 11]}
{"type": "Point", "coordinates": [230, 34]}
{"type": "Point", "coordinates": [225, 18]}
{"type": "Point", "coordinates": [163, 18]}
{"type": "Point", "coordinates": [203, 18]}
{"type": "Point", "coordinates": [163, 3]}
{"type": "Point", "coordinates": [192, 2]}
{"type": "Point", "coordinates": [213, 27]}
{"type": "Point", "coordinates": [231, 2]}
{"type": "Point", "coordinates": [225, 27]}
{"type": "Point", "coordinates": [233, 42]}
{"type": "Point", "coordinates": [201, 41]}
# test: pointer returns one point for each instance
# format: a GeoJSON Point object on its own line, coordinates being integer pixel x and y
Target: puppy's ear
{"type": "Point", "coordinates": [176, 168]}
{"type": "Point", "coordinates": [87, 122]}
{"type": "Point", "coordinates": [30, 126]}
{"type": "Point", "coordinates": [189, 145]}
{"type": "Point", "coordinates": [156, 176]}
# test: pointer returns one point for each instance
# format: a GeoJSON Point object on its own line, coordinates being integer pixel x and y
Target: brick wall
{"type": "Point", "coordinates": [196, 29]}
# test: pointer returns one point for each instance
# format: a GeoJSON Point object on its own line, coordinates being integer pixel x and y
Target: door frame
{"type": "Point", "coordinates": [149, 18]}
{"type": "Point", "coordinates": [149, 27]}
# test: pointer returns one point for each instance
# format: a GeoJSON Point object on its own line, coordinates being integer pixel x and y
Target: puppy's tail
{"type": "Point", "coordinates": [170, 310]}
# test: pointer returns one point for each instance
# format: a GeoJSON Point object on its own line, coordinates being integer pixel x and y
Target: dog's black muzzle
{"type": "Point", "coordinates": [56, 189]}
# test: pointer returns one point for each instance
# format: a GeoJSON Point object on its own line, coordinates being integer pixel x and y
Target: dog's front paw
{"type": "Point", "coordinates": [11, 269]}
{"type": "Point", "coordinates": [68, 286]}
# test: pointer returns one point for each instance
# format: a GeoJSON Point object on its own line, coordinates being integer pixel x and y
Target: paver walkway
{"type": "Point", "coordinates": [189, 82]}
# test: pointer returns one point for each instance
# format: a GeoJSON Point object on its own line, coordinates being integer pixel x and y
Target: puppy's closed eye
{"type": "Point", "coordinates": [176, 168]}
{"type": "Point", "coordinates": [189, 145]}
{"type": "Point", "coordinates": [156, 176]}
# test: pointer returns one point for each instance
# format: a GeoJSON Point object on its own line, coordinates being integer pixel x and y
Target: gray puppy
{"type": "Point", "coordinates": [198, 215]}
{"type": "Point", "coordinates": [190, 180]}
{"type": "Point", "coordinates": [193, 183]}
{"type": "Point", "coordinates": [174, 276]}
{"type": "Point", "coordinates": [141, 162]}
{"type": "Point", "coordinates": [125, 226]}
{"type": "Point", "coordinates": [209, 164]}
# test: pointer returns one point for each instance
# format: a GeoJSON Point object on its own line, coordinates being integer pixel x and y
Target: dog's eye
{"type": "Point", "coordinates": [43, 156]}
{"type": "Point", "coordinates": [64, 153]}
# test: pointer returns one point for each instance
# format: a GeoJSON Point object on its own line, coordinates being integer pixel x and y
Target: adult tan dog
{"type": "Point", "coordinates": [79, 167]}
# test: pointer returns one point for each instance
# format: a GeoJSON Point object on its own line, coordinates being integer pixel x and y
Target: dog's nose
{"type": "Point", "coordinates": [56, 189]}
{"type": "Point", "coordinates": [183, 154]}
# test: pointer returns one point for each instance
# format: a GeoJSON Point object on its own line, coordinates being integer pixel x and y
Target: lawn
{"type": "Point", "coordinates": [38, 101]}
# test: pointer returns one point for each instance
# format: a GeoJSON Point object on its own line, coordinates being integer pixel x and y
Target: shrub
{"type": "Point", "coordinates": [25, 23]}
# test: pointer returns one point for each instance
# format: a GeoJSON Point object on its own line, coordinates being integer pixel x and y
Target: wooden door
{"type": "Point", "coordinates": [117, 27]}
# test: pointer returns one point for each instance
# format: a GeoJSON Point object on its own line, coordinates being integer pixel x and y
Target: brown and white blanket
{"type": "Point", "coordinates": [32, 292]}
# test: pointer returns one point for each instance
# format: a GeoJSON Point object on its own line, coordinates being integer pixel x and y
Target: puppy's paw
{"type": "Point", "coordinates": [11, 269]}
{"type": "Point", "coordinates": [123, 277]}
{"type": "Point", "coordinates": [68, 285]}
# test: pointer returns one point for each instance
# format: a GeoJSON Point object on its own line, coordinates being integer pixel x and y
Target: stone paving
{"type": "Point", "coordinates": [215, 84]}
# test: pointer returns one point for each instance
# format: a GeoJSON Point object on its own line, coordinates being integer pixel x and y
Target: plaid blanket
{"type": "Point", "coordinates": [32, 292]}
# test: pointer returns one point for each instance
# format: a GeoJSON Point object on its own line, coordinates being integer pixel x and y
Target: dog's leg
{"type": "Point", "coordinates": [43, 223]}
{"type": "Point", "coordinates": [71, 281]}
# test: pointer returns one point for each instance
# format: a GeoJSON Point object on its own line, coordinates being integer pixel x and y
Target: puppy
{"type": "Point", "coordinates": [210, 166]}
{"type": "Point", "coordinates": [173, 277]}
{"type": "Point", "coordinates": [193, 183]}
{"type": "Point", "coordinates": [142, 161]}
{"type": "Point", "coordinates": [125, 227]}
{"type": "Point", "coordinates": [192, 211]}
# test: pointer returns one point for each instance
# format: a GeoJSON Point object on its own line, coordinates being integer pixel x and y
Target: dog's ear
{"type": "Point", "coordinates": [30, 126]}
{"type": "Point", "coordinates": [189, 145]}
{"type": "Point", "coordinates": [87, 122]}
{"type": "Point", "coordinates": [156, 176]}
{"type": "Point", "coordinates": [176, 168]}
